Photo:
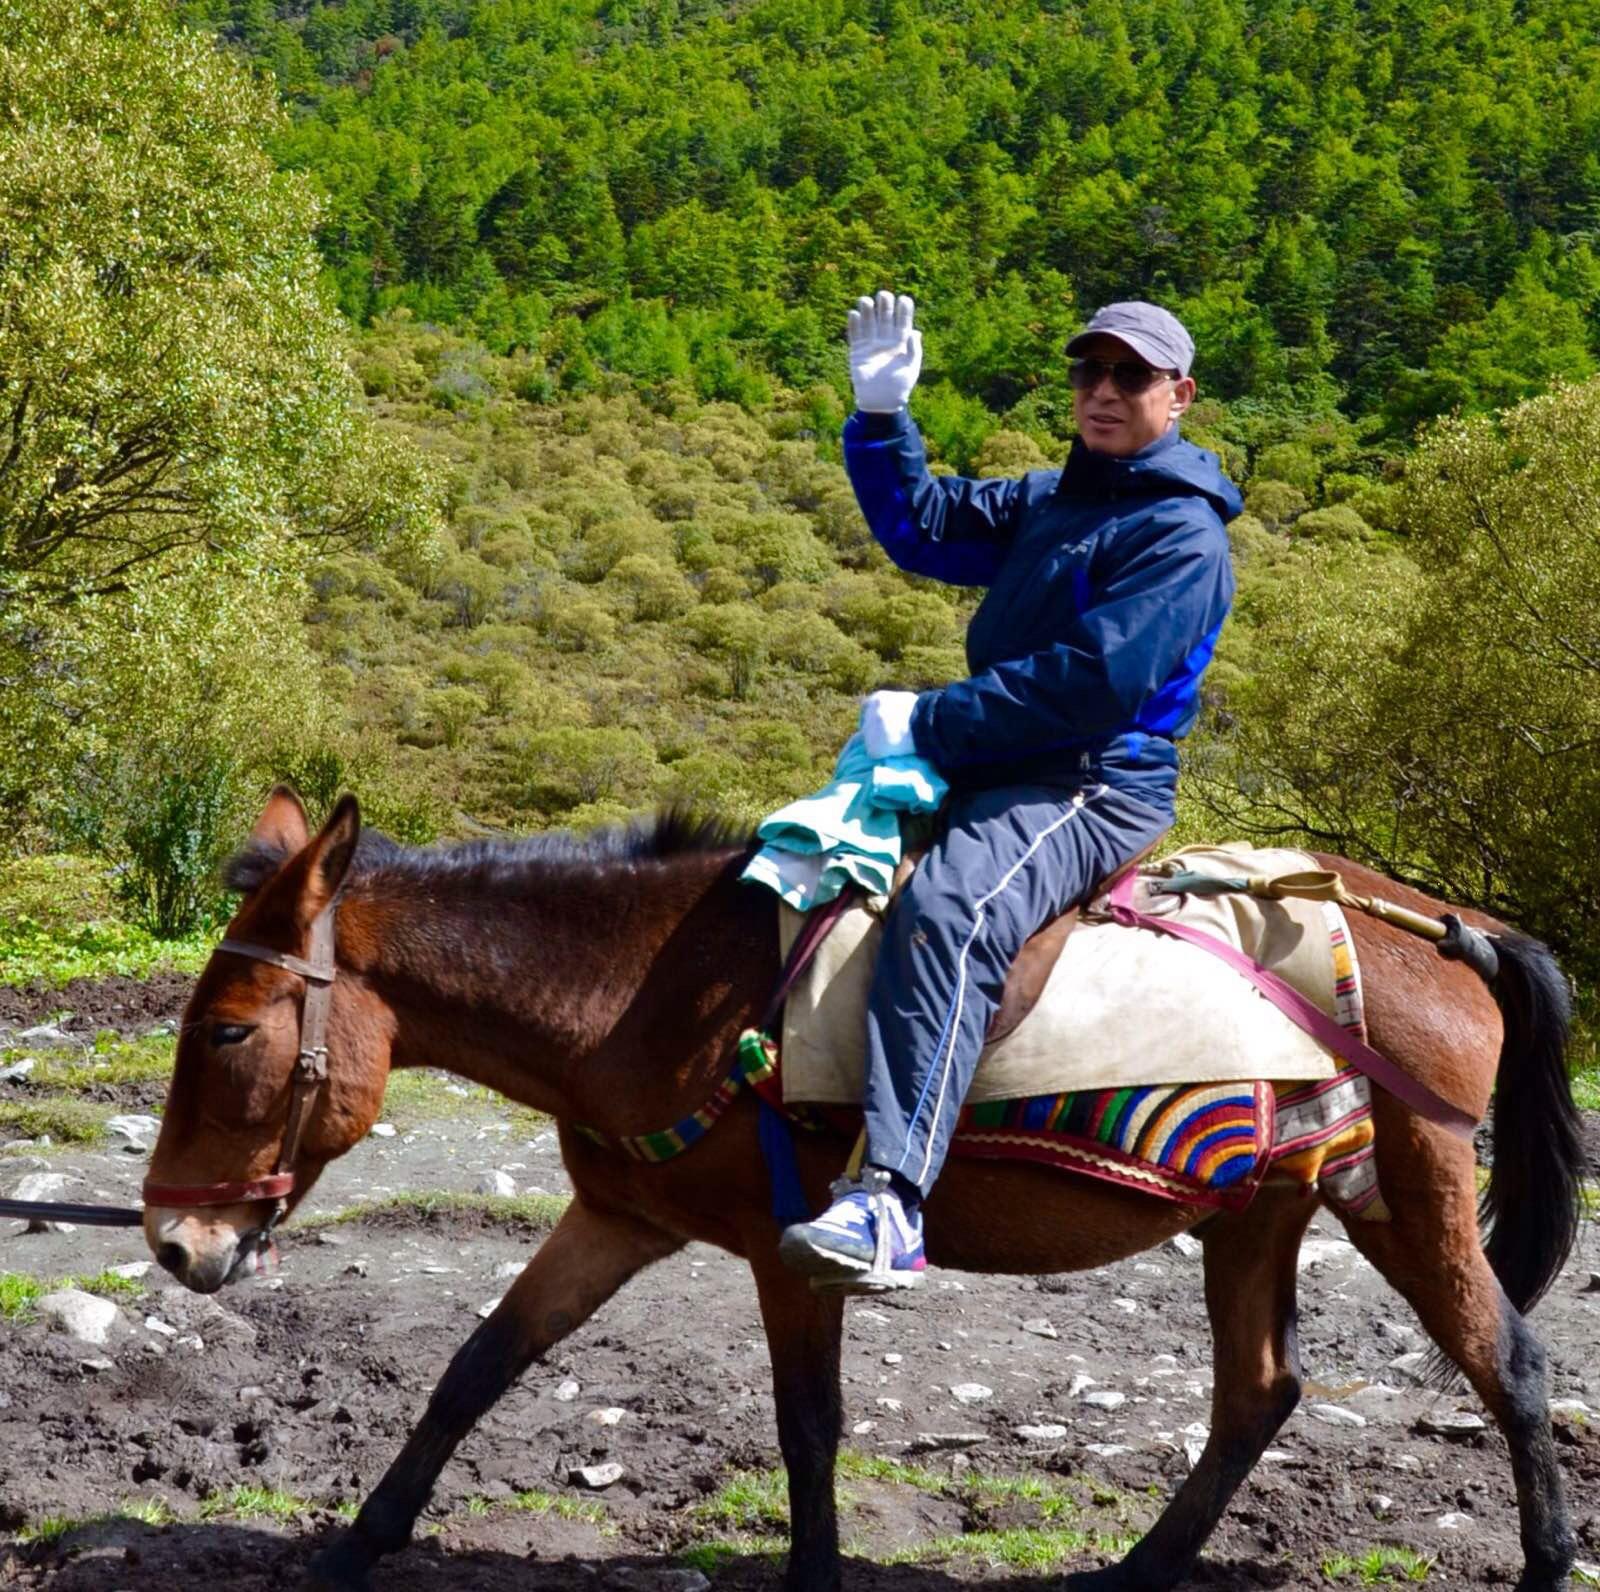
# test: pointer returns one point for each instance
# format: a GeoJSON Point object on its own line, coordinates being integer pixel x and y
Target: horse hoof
{"type": "Point", "coordinates": [336, 1569]}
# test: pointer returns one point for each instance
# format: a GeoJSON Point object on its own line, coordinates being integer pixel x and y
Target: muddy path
{"type": "Point", "coordinates": [998, 1429]}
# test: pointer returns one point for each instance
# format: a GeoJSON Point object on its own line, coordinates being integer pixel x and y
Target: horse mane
{"type": "Point", "coordinates": [673, 831]}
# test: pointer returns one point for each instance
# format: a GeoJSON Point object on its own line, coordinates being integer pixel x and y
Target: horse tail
{"type": "Point", "coordinates": [1532, 1206]}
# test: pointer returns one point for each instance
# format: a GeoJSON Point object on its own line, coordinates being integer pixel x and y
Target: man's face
{"type": "Point", "coordinates": [1119, 423]}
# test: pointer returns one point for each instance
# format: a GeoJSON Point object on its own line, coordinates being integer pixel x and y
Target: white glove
{"type": "Point", "coordinates": [886, 723]}
{"type": "Point", "coordinates": [885, 352]}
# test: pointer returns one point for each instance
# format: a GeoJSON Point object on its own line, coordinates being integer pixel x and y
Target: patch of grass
{"type": "Point", "coordinates": [750, 1500]}
{"type": "Point", "coordinates": [417, 1095]}
{"type": "Point", "coordinates": [253, 1503]}
{"type": "Point", "coordinates": [106, 1059]}
{"type": "Point", "coordinates": [710, 1557]}
{"type": "Point", "coordinates": [874, 1467]}
{"type": "Point", "coordinates": [60, 921]}
{"type": "Point", "coordinates": [19, 1291]}
{"type": "Point", "coordinates": [1052, 1501]}
{"type": "Point", "coordinates": [1020, 1548]}
{"type": "Point", "coordinates": [151, 1511]}
{"type": "Point", "coordinates": [1383, 1564]}
{"type": "Point", "coordinates": [543, 1503]}
{"type": "Point", "coordinates": [48, 1529]}
{"type": "Point", "coordinates": [540, 1212]}
{"type": "Point", "coordinates": [67, 1121]}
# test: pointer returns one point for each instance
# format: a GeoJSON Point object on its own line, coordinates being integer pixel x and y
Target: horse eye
{"type": "Point", "coordinates": [231, 1033]}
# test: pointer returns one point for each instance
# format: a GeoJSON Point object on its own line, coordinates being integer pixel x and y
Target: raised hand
{"type": "Point", "coordinates": [885, 352]}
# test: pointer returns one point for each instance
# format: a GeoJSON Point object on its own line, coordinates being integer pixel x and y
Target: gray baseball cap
{"type": "Point", "coordinates": [1154, 334]}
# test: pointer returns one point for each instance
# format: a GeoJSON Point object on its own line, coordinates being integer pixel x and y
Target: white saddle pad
{"type": "Point", "coordinates": [1122, 1005]}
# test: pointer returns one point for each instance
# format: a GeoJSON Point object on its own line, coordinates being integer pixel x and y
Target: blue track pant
{"type": "Point", "coordinates": [1009, 861]}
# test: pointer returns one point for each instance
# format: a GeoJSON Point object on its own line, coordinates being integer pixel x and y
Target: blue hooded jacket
{"type": "Point", "coordinates": [1108, 583]}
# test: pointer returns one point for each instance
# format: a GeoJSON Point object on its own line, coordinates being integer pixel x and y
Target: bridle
{"type": "Point", "coordinates": [310, 1073]}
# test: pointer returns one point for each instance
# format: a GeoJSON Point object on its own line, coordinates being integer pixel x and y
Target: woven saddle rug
{"type": "Point", "coordinates": [1147, 1061]}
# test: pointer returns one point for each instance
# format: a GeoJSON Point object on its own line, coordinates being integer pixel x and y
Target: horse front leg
{"type": "Point", "coordinates": [586, 1258]}
{"type": "Point", "coordinates": [803, 1332]}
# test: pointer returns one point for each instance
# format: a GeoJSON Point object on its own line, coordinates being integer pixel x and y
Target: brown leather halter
{"type": "Point", "coordinates": [310, 1073]}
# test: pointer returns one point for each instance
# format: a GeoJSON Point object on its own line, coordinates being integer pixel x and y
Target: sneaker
{"type": "Point", "coordinates": [865, 1242]}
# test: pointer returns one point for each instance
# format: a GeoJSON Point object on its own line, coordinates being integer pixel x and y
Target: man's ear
{"type": "Point", "coordinates": [1183, 391]}
{"type": "Point", "coordinates": [328, 857]}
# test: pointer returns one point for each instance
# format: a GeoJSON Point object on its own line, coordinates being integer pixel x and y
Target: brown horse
{"type": "Point", "coordinates": [605, 981]}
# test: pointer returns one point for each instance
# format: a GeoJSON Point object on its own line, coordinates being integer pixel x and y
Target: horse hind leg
{"type": "Point", "coordinates": [1431, 1255]}
{"type": "Point", "coordinates": [1250, 1271]}
{"type": "Point", "coordinates": [587, 1257]}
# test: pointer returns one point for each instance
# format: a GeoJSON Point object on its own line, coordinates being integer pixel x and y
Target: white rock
{"type": "Point", "coordinates": [382, 1130]}
{"type": "Point", "coordinates": [1407, 1464]}
{"type": "Point", "coordinates": [133, 1270]}
{"type": "Point", "coordinates": [1335, 1415]}
{"type": "Point", "coordinates": [861, 1428]}
{"type": "Point", "coordinates": [1080, 1381]}
{"type": "Point", "coordinates": [98, 1363]}
{"type": "Point", "coordinates": [137, 1132]}
{"type": "Point", "coordinates": [1050, 1432]}
{"type": "Point", "coordinates": [1183, 1244]}
{"type": "Point", "coordinates": [44, 1034]}
{"type": "Point", "coordinates": [44, 1186]}
{"type": "Point", "coordinates": [18, 1070]}
{"type": "Point", "coordinates": [1276, 1454]}
{"type": "Point", "coordinates": [1192, 1452]}
{"type": "Point", "coordinates": [1106, 1450]}
{"type": "Point", "coordinates": [1409, 1364]}
{"type": "Point", "coordinates": [1454, 1521]}
{"type": "Point", "coordinates": [497, 1182]}
{"type": "Point", "coordinates": [1128, 1307]}
{"type": "Point", "coordinates": [1040, 1327]}
{"type": "Point", "coordinates": [893, 1359]}
{"type": "Point", "coordinates": [865, 1313]}
{"type": "Point", "coordinates": [84, 1316]}
{"type": "Point", "coordinates": [1105, 1398]}
{"type": "Point", "coordinates": [1380, 1504]}
{"type": "Point", "coordinates": [971, 1392]}
{"type": "Point", "coordinates": [156, 1324]}
{"type": "Point", "coordinates": [893, 1406]}
{"type": "Point", "coordinates": [567, 1391]}
{"type": "Point", "coordinates": [947, 1439]}
{"type": "Point", "coordinates": [1456, 1424]}
{"type": "Point", "coordinates": [596, 1477]}
{"type": "Point", "coordinates": [611, 1416]}
{"type": "Point", "coordinates": [1569, 1407]}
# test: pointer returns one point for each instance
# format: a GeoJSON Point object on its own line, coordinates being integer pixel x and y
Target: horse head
{"type": "Point", "coordinates": [255, 1109]}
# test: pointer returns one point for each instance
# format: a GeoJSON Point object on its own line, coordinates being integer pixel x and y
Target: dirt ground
{"type": "Point", "coordinates": [986, 1435]}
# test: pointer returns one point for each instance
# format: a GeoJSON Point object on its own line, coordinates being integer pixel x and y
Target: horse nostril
{"type": "Point", "coordinates": [174, 1257]}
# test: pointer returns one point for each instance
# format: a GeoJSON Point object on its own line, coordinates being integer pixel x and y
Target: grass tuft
{"type": "Point", "coordinates": [253, 1503]}
{"type": "Point", "coordinates": [1385, 1564]}
{"type": "Point", "coordinates": [19, 1292]}
{"type": "Point", "coordinates": [540, 1212]}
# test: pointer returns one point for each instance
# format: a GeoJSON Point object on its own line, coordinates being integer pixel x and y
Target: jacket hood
{"type": "Point", "coordinates": [1169, 466]}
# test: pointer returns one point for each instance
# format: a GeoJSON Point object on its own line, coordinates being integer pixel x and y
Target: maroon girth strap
{"type": "Point", "coordinates": [310, 1073]}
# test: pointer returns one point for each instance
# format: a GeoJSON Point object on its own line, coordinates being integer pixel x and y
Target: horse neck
{"type": "Point", "coordinates": [604, 999]}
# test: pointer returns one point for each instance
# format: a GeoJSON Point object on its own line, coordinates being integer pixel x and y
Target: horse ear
{"type": "Point", "coordinates": [329, 855]}
{"type": "Point", "coordinates": [282, 826]}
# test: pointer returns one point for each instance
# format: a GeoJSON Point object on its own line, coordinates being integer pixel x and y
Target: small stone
{"type": "Point", "coordinates": [893, 1406]}
{"type": "Point", "coordinates": [1040, 1327]}
{"type": "Point", "coordinates": [1183, 1244]}
{"type": "Point", "coordinates": [1104, 1398]}
{"type": "Point", "coordinates": [612, 1416]}
{"type": "Point", "coordinates": [357, 1268]}
{"type": "Point", "coordinates": [133, 1270]}
{"type": "Point", "coordinates": [1406, 1464]}
{"type": "Point", "coordinates": [330, 1240]}
{"type": "Point", "coordinates": [44, 1034]}
{"type": "Point", "coordinates": [971, 1392]}
{"type": "Point", "coordinates": [137, 1132]}
{"type": "Point", "coordinates": [1080, 1381]}
{"type": "Point", "coordinates": [18, 1070]}
{"type": "Point", "coordinates": [940, 1440]}
{"type": "Point", "coordinates": [567, 1392]}
{"type": "Point", "coordinates": [596, 1477]}
{"type": "Point", "coordinates": [1106, 1450]}
{"type": "Point", "coordinates": [1570, 1407]}
{"type": "Point", "coordinates": [1454, 1521]}
{"type": "Point", "coordinates": [893, 1359]}
{"type": "Point", "coordinates": [861, 1428]}
{"type": "Point", "coordinates": [84, 1316]}
{"type": "Point", "coordinates": [98, 1363]}
{"type": "Point", "coordinates": [44, 1186]}
{"type": "Point", "coordinates": [1129, 1307]}
{"type": "Point", "coordinates": [156, 1324]}
{"type": "Point", "coordinates": [1410, 1365]}
{"type": "Point", "coordinates": [1459, 1425]}
{"type": "Point", "coordinates": [382, 1130]}
{"type": "Point", "coordinates": [1050, 1432]}
{"type": "Point", "coordinates": [1335, 1415]}
{"type": "Point", "coordinates": [1276, 1455]}
{"type": "Point", "coordinates": [1380, 1504]}
{"type": "Point", "coordinates": [1192, 1452]}
{"type": "Point", "coordinates": [497, 1182]}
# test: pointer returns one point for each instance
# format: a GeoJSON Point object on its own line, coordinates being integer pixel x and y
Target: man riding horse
{"type": "Point", "coordinates": [1108, 582]}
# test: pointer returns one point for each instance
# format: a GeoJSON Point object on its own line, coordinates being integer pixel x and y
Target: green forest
{"type": "Point", "coordinates": [440, 399]}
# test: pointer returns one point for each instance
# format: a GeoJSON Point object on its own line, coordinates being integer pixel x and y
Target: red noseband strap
{"type": "Point", "coordinates": [310, 1073]}
{"type": "Point", "coordinates": [264, 1188]}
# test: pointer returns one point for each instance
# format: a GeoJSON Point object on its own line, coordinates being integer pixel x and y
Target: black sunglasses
{"type": "Point", "coordinates": [1130, 376]}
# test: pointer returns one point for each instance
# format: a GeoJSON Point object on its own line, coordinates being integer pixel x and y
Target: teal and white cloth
{"type": "Point", "coordinates": [846, 833]}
